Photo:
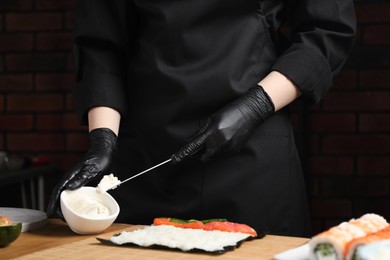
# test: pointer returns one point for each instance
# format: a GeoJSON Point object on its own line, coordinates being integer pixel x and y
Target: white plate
{"type": "Point", "coordinates": [298, 253]}
{"type": "Point", "coordinates": [31, 219]}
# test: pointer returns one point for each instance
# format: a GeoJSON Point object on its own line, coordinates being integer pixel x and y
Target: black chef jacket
{"type": "Point", "coordinates": [166, 65]}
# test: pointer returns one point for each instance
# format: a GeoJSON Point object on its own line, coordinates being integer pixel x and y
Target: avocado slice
{"type": "Point", "coordinates": [9, 233]}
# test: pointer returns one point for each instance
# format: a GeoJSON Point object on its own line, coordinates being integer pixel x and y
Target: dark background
{"type": "Point", "coordinates": [344, 140]}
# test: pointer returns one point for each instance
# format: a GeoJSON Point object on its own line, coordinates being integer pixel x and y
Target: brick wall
{"type": "Point", "coordinates": [346, 141]}
{"type": "Point", "coordinates": [36, 74]}
{"type": "Point", "coordinates": [348, 163]}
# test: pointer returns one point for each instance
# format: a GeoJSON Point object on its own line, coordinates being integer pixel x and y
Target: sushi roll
{"type": "Point", "coordinates": [353, 246]}
{"type": "Point", "coordinates": [331, 244]}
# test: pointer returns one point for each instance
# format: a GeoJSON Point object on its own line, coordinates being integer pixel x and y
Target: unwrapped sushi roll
{"type": "Point", "coordinates": [210, 236]}
{"type": "Point", "coordinates": [331, 244]}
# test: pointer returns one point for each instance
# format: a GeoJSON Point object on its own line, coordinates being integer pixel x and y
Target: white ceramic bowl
{"type": "Point", "coordinates": [82, 224]}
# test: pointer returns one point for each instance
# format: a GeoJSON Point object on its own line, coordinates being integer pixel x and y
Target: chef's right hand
{"type": "Point", "coordinates": [96, 162]}
{"type": "Point", "coordinates": [229, 128]}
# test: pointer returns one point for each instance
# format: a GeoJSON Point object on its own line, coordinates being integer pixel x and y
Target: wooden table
{"type": "Point", "coordinates": [57, 241]}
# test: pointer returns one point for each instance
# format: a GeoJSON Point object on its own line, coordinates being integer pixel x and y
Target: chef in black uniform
{"type": "Point", "coordinates": [206, 83]}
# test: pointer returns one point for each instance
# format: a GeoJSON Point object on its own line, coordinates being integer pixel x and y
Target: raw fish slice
{"type": "Point", "coordinates": [209, 224]}
{"type": "Point", "coordinates": [230, 227]}
{"type": "Point", "coordinates": [195, 224]}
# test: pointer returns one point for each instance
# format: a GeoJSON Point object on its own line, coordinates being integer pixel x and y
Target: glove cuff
{"type": "Point", "coordinates": [103, 138]}
{"type": "Point", "coordinates": [260, 104]}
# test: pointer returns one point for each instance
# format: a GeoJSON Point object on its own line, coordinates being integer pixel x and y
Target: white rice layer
{"type": "Point", "coordinates": [182, 238]}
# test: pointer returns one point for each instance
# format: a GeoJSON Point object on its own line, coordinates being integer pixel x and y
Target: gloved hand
{"type": "Point", "coordinates": [96, 162]}
{"type": "Point", "coordinates": [230, 128]}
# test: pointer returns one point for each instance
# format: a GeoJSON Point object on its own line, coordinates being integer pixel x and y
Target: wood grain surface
{"type": "Point", "coordinates": [57, 241]}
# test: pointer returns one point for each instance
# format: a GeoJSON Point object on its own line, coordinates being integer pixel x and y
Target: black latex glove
{"type": "Point", "coordinates": [96, 162]}
{"type": "Point", "coordinates": [230, 128]}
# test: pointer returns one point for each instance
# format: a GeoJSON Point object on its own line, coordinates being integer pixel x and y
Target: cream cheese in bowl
{"type": "Point", "coordinates": [87, 211]}
{"type": "Point", "coordinates": [87, 207]}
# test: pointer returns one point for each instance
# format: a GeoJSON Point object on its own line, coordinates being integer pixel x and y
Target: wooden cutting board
{"type": "Point", "coordinates": [91, 248]}
{"type": "Point", "coordinates": [30, 219]}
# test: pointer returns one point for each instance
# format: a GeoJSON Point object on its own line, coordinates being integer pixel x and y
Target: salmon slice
{"type": "Point", "coordinates": [230, 227]}
{"type": "Point", "coordinates": [221, 225]}
{"type": "Point", "coordinates": [195, 224]}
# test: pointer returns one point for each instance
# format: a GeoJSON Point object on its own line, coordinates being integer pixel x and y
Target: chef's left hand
{"type": "Point", "coordinates": [230, 128]}
{"type": "Point", "coordinates": [96, 162]}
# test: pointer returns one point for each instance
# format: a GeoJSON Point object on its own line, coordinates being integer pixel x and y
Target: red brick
{"type": "Point", "coordinates": [373, 165]}
{"type": "Point", "coordinates": [377, 34]}
{"type": "Point", "coordinates": [69, 20]}
{"type": "Point", "coordinates": [35, 102]}
{"type": "Point", "coordinates": [54, 41]}
{"type": "Point", "coordinates": [372, 12]}
{"type": "Point", "coordinates": [329, 208]}
{"type": "Point", "coordinates": [314, 144]}
{"type": "Point", "coordinates": [1, 63]}
{"type": "Point", "coordinates": [356, 144]}
{"type": "Point", "coordinates": [58, 4]}
{"type": "Point", "coordinates": [375, 79]}
{"type": "Point", "coordinates": [35, 142]}
{"type": "Point", "coordinates": [16, 122]}
{"type": "Point", "coordinates": [59, 122]}
{"type": "Point", "coordinates": [33, 21]}
{"type": "Point", "coordinates": [69, 103]}
{"type": "Point", "coordinates": [378, 206]}
{"type": "Point", "coordinates": [57, 81]}
{"type": "Point", "coordinates": [16, 82]}
{"type": "Point", "coordinates": [71, 122]}
{"type": "Point", "coordinates": [17, 5]}
{"type": "Point", "coordinates": [315, 106]}
{"type": "Point", "coordinates": [2, 146]}
{"type": "Point", "coordinates": [77, 142]}
{"type": "Point", "coordinates": [1, 22]}
{"type": "Point", "coordinates": [347, 79]}
{"type": "Point", "coordinates": [2, 104]}
{"type": "Point", "coordinates": [370, 57]}
{"type": "Point", "coordinates": [375, 123]}
{"type": "Point", "coordinates": [340, 122]}
{"type": "Point", "coordinates": [35, 62]}
{"type": "Point", "coordinates": [49, 122]}
{"type": "Point", "coordinates": [331, 165]}
{"type": "Point", "coordinates": [16, 42]}
{"type": "Point", "coordinates": [353, 187]}
{"type": "Point", "coordinates": [357, 101]}
{"type": "Point", "coordinates": [65, 161]}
